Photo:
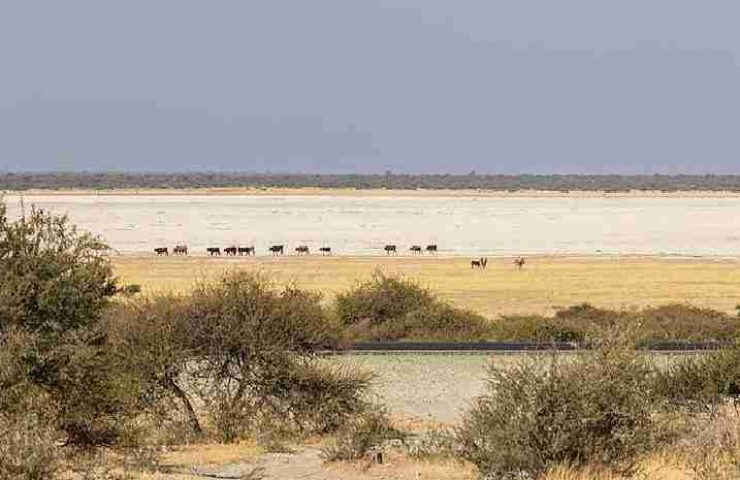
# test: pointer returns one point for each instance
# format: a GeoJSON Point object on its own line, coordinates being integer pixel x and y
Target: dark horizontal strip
{"type": "Point", "coordinates": [662, 346]}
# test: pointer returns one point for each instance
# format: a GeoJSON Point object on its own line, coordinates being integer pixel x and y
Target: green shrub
{"type": "Point", "coordinates": [381, 299]}
{"type": "Point", "coordinates": [686, 322]}
{"type": "Point", "coordinates": [596, 408]}
{"type": "Point", "coordinates": [434, 321]}
{"type": "Point", "coordinates": [535, 328]}
{"type": "Point", "coordinates": [319, 398]}
{"type": "Point", "coordinates": [703, 382]}
{"type": "Point", "coordinates": [394, 308]}
{"type": "Point", "coordinates": [55, 284]}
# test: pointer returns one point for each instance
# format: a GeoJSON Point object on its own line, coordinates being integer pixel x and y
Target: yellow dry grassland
{"type": "Point", "coordinates": [545, 284]}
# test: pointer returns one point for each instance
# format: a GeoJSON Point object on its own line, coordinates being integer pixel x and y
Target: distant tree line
{"type": "Point", "coordinates": [558, 183]}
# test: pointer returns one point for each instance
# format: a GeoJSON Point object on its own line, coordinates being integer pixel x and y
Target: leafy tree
{"type": "Point", "coordinates": [55, 284]}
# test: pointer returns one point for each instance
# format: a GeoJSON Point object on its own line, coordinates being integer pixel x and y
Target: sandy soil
{"type": "Point", "coordinates": [545, 284]}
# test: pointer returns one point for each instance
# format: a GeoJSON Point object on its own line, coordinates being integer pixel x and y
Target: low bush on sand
{"type": "Point", "coordinates": [593, 409]}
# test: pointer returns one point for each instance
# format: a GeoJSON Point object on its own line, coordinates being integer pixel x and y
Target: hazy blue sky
{"type": "Point", "coordinates": [587, 86]}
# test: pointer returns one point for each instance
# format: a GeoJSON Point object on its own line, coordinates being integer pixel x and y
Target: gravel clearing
{"type": "Point", "coordinates": [427, 387]}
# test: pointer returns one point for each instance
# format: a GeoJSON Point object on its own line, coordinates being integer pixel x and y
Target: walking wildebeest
{"type": "Point", "coordinates": [390, 249]}
{"type": "Point", "coordinates": [302, 249]}
{"type": "Point", "coordinates": [432, 248]}
{"type": "Point", "coordinates": [416, 249]}
{"type": "Point", "coordinates": [325, 250]}
{"type": "Point", "coordinates": [246, 250]}
{"type": "Point", "coordinates": [161, 251]}
{"type": "Point", "coordinates": [230, 251]}
{"type": "Point", "coordinates": [180, 250]}
{"type": "Point", "coordinates": [277, 249]}
{"type": "Point", "coordinates": [479, 263]}
{"type": "Point", "coordinates": [519, 262]}
{"type": "Point", "coordinates": [214, 251]}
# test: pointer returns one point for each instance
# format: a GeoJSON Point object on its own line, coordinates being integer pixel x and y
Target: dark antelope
{"type": "Point", "coordinates": [277, 249]}
{"type": "Point", "coordinates": [519, 262]}
{"type": "Point", "coordinates": [302, 249]}
{"type": "Point", "coordinates": [416, 249]}
{"type": "Point", "coordinates": [213, 251]}
{"type": "Point", "coordinates": [325, 250]}
{"type": "Point", "coordinates": [246, 251]}
{"type": "Point", "coordinates": [390, 249]}
{"type": "Point", "coordinates": [479, 263]}
{"type": "Point", "coordinates": [180, 250]}
{"type": "Point", "coordinates": [432, 248]}
{"type": "Point", "coordinates": [230, 251]}
{"type": "Point", "coordinates": [161, 251]}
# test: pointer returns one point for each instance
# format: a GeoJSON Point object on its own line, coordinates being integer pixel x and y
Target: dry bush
{"type": "Point", "coordinates": [712, 448]}
{"type": "Point", "coordinates": [29, 442]}
{"type": "Point", "coordinates": [395, 308]}
{"type": "Point", "coordinates": [672, 322]}
{"type": "Point", "coordinates": [363, 433]}
{"type": "Point", "coordinates": [380, 300]}
{"type": "Point", "coordinates": [594, 409]}
{"type": "Point", "coordinates": [702, 383]}
{"type": "Point", "coordinates": [686, 322]}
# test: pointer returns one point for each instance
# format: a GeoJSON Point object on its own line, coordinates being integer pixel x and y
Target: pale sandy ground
{"type": "Point", "coordinates": [384, 192]}
{"type": "Point", "coordinates": [545, 284]}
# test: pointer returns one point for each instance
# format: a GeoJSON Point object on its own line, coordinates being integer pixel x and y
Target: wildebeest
{"type": "Point", "coordinates": [180, 250]}
{"type": "Point", "coordinates": [277, 249]}
{"type": "Point", "coordinates": [214, 251]}
{"type": "Point", "coordinates": [161, 251]}
{"type": "Point", "coordinates": [325, 250]}
{"type": "Point", "coordinates": [246, 251]}
{"type": "Point", "coordinates": [230, 251]}
{"type": "Point", "coordinates": [479, 263]}
{"type": "Point", "coordinates": [519, 262]}
{"type": "Point", "coordinates": [416, 249]}
{"type": "Point", "coordinates": [432, 248]}
{"type": "Point", "coordinates": [302, 249]}
{"type": "Point", "coordinates": [390, 249]}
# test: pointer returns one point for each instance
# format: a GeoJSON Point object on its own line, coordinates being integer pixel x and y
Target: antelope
{"type": "Point", "coordinates": [519, 262]}
{"type": "Point", "coordinates": [432, 248]}
{"type": "Point", "coordinates": [230, 251]}
{"type": "Point", "coordinates": [161, 251]}
{"type": "Point", "coordinates": [325, 250]}
{"type": "Point", "coordinates": [213, 251]}
{"type": "Point", "coordinates": [415, 249]}
{"type": "Point", "coordinates": [390, 249]}
{"type": "Point", "coordinates": [479, 263]}
{"type": "Point", "coordinates": [302, 249]}
{"type": "Point", "coordinates": [246, 250]}
{"type": "Point", "coordinates": [180, 250]}
{"type": "Point", "coordinates": [277, 249]}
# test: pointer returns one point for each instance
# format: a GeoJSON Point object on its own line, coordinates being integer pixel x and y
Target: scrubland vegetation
{"type": "Point", "coordinates": [613, 183]}
{"type": "Point", "coordinates": [87, 364]}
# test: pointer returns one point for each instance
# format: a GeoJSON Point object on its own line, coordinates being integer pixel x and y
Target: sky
{"type": "Point", "coordinates": [367, 86]}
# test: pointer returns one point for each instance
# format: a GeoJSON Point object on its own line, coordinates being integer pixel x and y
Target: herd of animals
{"type": "Point", "coordinates": [477, 263]}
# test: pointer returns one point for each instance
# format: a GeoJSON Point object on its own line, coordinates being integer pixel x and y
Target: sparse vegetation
{"type": "Point", "coordinates": [84, 364]}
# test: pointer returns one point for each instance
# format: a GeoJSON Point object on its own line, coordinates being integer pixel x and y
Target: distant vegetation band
{"type": "Point", "coordinates": [613, 183]}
